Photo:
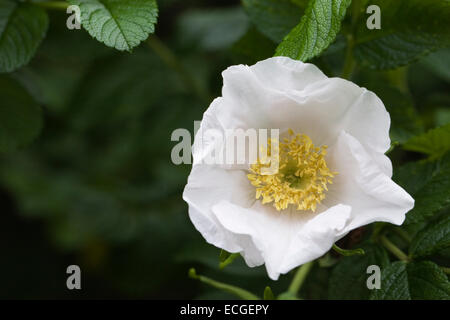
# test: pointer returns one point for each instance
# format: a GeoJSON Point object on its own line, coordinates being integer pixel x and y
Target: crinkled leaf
{"type": "Point", "coordinates": [20, 116]}
{"type": "Point", "coordinates": [394, 283]}
{"type": "Point", "coordinates": [273, 18]}
{"type": "Point", "coordinates": [414, 175]}
{"type": "Point", "coordinates": [409, 29]}
{"type": "Point", "coordinates": [415, 280]}
{"type": "Point", "coordinates": [121, 24]}
{"type": "Point", "coordinates": [348, 278]}
{"type": "Point", "coordinates": [435, 142]}
{"type": "Point", "coordinates": [22, 28]}
{"type": "Point", "coordinates": [433, 238]}
{"type": "Point", "coordinates": [429, 185]}
{"type": "Point", "coordinates": [316, 31]}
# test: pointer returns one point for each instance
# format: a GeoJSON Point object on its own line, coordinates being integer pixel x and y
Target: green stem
{"type": "Point", "coordinates": [169, 58]}
{"type": "Point", "coordinates": [377, 230]}
{"type": "Point", "coordinates": [392, 248]}
{"type": "Point", "coordinates": [228, 260]}
{"type": "Point", "coordinates": [268, 294]}
{"type": "Point", "coordinates": [241, 293]}
{"type": "Point", "coordinates": [402, 234]}
{"type": "Point", "coordinates": [57, 5]}
{"type": "Point", "coordinates": [349, 63]}
{"type": "Point", "coordinates": [299, 278]}
{"type": "Point", "coordinates": [356, 11]}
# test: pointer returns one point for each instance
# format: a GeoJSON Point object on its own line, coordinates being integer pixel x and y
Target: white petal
{"type": "Point", "coordinates": [285, 74]}
{"type": "Point", "coordinates": [284, 240]}
{"type": "Point", "coordinates": [361, 184]}
{"type": "Point", "coordinates": [340, 105]}
{"type": "Point", "coordinates": [207, 185]}
{"type": "Point", "coordinates": [286, 94]}
{"type": "Point", "coordinates": [204, 142]}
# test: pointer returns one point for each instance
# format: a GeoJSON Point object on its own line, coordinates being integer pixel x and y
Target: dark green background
{"type": "Point", "coordinates": [98, 189]}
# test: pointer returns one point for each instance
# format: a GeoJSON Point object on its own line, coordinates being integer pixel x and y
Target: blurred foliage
{"type": "Point", "coordinates": [97, 187]}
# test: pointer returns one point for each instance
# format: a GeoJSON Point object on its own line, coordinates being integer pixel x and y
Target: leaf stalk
{"type": "Point", "coordinates": [239, 292]}
{"type": "Point", "coordinates": [299, 278]}
{"type": "Point", "coordinates": [392, 248]}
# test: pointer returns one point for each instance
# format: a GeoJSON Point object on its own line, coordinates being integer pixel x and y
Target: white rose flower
{"type": "Point", "coordinates": [334, 175]}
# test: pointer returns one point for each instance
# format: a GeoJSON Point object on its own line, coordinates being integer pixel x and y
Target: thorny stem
{"type": "Point", "coordinates": [392, 248]}
{"type": "Point", "coordinates": [299, 278]}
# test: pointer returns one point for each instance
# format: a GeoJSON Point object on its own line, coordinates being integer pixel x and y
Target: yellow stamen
{"type": "Point", "coordinates": [302, 177]}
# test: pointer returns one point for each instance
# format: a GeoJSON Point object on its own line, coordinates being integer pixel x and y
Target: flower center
{"type": "Point", "coordinates": [302, 177]}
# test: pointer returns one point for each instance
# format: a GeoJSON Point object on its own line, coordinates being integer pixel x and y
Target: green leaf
{"type": "Point", "coordinates": [415, 280]}
{"type": "Point", "coordinates": [435, 143]}
{"type": "Point", "coordinates": [348, 278]}
{"type": "Point", "coordinates": [273, 18]}
{"type": "Point", "coordinates": [317, 30]}
{"type": "Point", "coordinates": [406, 122]}
{"type": "Point", "coordinates": [394, 283]}
{"type": "Point", "coordinates": [429, 185]}
{"type": "Point", "coordinates": [433, 238]}
{"type": "Point", "coordinates": [413, 176]}
{"type": "Point", "coordinates": [121, 24]}
{"type": "Point", "coordinates": [22, 28]}
{"type": "Point", "coordinates": [438, 63]}
{"type": "Point", "coordinates": [409, 29]}
{"type": "Point", "coordinates": [20, 116]}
